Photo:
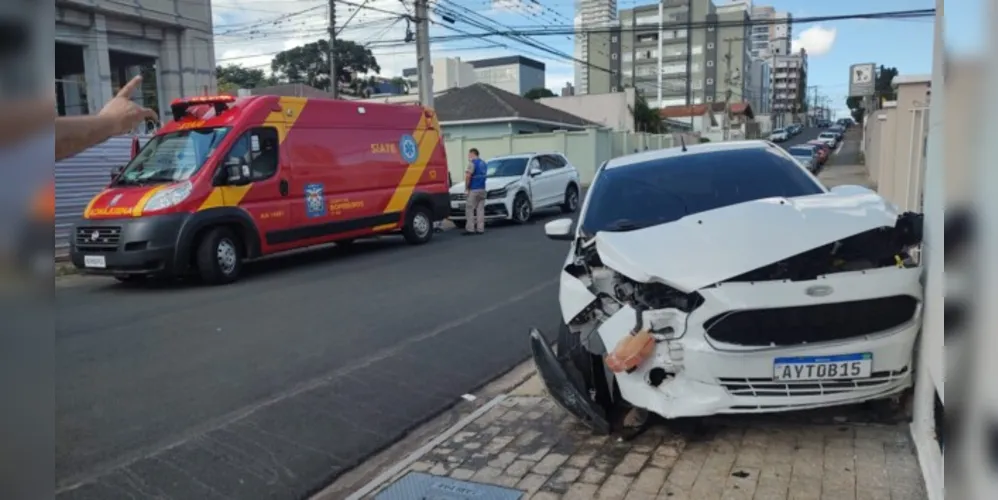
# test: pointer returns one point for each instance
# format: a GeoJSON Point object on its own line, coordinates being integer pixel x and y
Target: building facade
{"type": "Point", "coordinates": [789, 85]}
{"type": "Point", "coordinates": [772, 32]}
{"type": "Point", "coordinates": [760, 93]}
{"type": "Point", "coordinates": [729, 53]}
{"type": "Point", "coordinates": [633, 52]}
{"type": "Point", "coordinates": [448, 73]}
{"type": "Point", "coordinates": [589, 14]}
{"type": "Point", "coordinates": [101, 44]}
{"type": "Point", "coordinates": [515, 74]}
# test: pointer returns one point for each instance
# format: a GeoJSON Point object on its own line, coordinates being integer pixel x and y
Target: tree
{"type": "Point", "coordinates": [882, 89]}
{"type": "Point", "coordinates": [309, 63]}
{"type": "Point", "coordinates": [646, 118]}
{"type": "Point", "coordinates": [233, 77]}
{"type": "Point", "coordinates": [537, 93]}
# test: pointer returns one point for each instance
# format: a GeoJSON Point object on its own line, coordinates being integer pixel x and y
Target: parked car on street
{"type": "Point", "coordinates": [724, 278]}
{"type": "Point", "coordinates": [830, 138]}
{"type": "Point", "coordinates": [807, 155]}
{"type": "Point", "coordinates": [779, 135]}
{"type": "Point", "coordinates": [518, 185]}
{"type": "Point", "coordinates": [824, 151]}
{"type": "Point", "coordinates": [231, 179]}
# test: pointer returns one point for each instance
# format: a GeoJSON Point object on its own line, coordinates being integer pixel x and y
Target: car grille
{"type": "Point", "coordinates": [809, 324]}
{"type": "Point", "coordinates": [458, 197]}
{"type": "Point", "coordinates": [106, 237]}
{"type": "Point", "coordinates": [766, 387]}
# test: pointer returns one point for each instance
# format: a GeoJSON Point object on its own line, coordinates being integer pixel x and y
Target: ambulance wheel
{"type": "Point", "coordinates": [218, 258]}
{"type": "Point", "coordinates": [418, 227]}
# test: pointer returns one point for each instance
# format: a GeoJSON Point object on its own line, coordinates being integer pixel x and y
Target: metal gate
{"type": "Point", "coordinates": [80, 178]}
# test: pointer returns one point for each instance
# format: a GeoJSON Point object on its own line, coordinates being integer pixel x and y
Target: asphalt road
{"type": "Point", "coordinates": [273, 386]}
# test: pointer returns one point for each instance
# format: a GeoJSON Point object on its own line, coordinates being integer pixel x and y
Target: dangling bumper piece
{"type": "Point", "coordinates": [558, 384]}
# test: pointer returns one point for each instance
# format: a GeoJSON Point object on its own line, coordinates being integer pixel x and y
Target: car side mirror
{"type": "Point", "coordinates": [117, 171]}
{"type": "Point", "coordinates": [560, 229]}
{"type": "Point", "coordinates": [237, 172]}
{"type": "Point", "coordinates": [535, 171]}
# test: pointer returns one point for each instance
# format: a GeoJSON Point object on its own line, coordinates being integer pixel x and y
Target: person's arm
{"type": "Point", "coordinates": [76, 134]}
{"type": "Point", "coordinates": [467, 175]}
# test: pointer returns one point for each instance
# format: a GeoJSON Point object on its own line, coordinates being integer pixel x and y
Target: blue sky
{"type": "Point", "coordinates": [905, 44]}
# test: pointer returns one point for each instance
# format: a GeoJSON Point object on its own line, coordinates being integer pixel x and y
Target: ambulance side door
{"type": "Point", "coordinates": [267, 198]}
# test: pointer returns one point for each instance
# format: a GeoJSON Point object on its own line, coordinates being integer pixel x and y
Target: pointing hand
{"type": "Point", "coordinates": [123, 113]}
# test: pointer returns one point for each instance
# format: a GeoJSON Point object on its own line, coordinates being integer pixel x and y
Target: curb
{"type": "Point", "coordinates": [414, 457]}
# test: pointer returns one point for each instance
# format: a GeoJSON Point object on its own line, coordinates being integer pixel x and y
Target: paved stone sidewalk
{"type": "Point", "coordinates": [528, 443]}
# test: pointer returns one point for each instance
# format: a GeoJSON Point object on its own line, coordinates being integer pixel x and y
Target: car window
{"type": "Point", "coordinates": [665, 190]}
{"type": "Point", "coordinates": [559, 160]}
{"type": "Point", "coordinates": [802, 151]}
{"type": "Point", "coordinates": [548, 162]}
{"type": "Point", "coordinates": [258, 148]}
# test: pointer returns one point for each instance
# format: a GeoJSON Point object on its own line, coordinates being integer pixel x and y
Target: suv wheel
{"type": "Point", "coordinates": [571, 199]}
{"type": "Point", "coordinates": [218, 257]}
{"type": "Point", "coordinates": [522, 209]}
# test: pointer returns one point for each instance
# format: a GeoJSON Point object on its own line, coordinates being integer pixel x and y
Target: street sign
{"type": "Point", "coordinates": [862, 80]}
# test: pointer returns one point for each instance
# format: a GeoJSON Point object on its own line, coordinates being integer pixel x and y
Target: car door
{"type": "Point", "coordinates": [545, 186]}
{"type": "Point", "coordinates": [266, 197]}
{"type": "Point", "coordinates": [563, 174]}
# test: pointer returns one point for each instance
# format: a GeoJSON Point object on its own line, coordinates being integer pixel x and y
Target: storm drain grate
{"type": "Point", "coordinates": [422, 486]}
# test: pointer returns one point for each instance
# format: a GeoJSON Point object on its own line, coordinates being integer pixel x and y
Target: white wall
{"type": "Point", "coordinates": [612, 110]}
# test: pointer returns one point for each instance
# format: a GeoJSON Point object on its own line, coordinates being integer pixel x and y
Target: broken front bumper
{"type": "Point", "coordinates": [569, 396]}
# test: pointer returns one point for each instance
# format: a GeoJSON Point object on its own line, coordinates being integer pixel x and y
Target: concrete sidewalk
{"type": "Point", "coordinates": [527, 443]}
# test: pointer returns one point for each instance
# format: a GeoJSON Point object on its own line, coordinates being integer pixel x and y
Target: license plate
{"type": "Point", "coordinates": [94, 261]}
{"type": "Point", "coordinates": [841, 367]}
{"type": "Point", "coordinates": [457, 206]}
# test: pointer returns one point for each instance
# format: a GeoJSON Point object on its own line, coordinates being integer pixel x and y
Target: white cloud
{"type": "Point", "coordinates": [816, 40]}
{"type": "Point", "coordinates": [251, 35]}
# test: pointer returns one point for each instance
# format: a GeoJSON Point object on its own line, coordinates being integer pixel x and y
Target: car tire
{"type": "Point", "coordinates": [522, 209]}
{"type": "Point", "coordinates": [584, 369]}
{"type": "Point", "coordinates": [571, 203]}
{"type": "Point", "coordinates": [218, 257]}
{"type": "Point", "coordinates": [418, 228]}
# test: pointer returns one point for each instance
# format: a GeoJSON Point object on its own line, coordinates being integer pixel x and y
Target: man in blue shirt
{"type": "Point", "coordinates": [474, 187]}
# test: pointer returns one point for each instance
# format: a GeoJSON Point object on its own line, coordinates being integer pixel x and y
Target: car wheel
{"type": "Point", "coordinates": [418, 227]}
{"type": "Point", "coordinates": [584, 368]}
{"type": "Point", "coordinates": [571, 199]}
{"type": "Point", "coordinates": [218, 257]}
{"type": "Point", "coordinates": [522, 209]}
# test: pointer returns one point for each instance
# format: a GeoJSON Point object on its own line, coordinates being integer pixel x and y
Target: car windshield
{"type": "Point", "coordinates": [172, 157]}
{"type": "Point", "coordinates": [506, 167]}
{"type": "Point", "coordinates": [665, 190]}
{"type": "Point", "coordinates": [802, 151]}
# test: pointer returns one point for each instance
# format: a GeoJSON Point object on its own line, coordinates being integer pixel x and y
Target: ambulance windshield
{"type": "Point", "coordinates": [172, 157]}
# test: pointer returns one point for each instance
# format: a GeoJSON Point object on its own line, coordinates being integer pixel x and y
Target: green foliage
{"type": "Point", "coordinates": [537, 93]}
{"type": "Point", "coordinates": [233, 77]}
{"type": "Point", "coordinates": [647, 119]}
{"type": "Point", "coordinates": [882, 90]}
{"type": "Point", "coordinates": [309, 64]}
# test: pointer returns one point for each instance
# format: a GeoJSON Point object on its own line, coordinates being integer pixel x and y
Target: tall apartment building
{"type": "Point", "coordinates": [773, 33]}
{"type": "Point", "coordinates": [730, 46]}
{"type": "Point", "coordinates": [631, 52]}
{"type": "Point", "coordinates": [589, 13]}
{"type": "Point", "coordinates": [789, 86]}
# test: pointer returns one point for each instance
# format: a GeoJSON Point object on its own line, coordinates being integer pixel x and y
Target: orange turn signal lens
{"type": "Point", "coordinates": [630, 352]}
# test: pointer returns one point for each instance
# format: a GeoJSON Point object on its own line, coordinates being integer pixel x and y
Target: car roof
{"type": "Point", "coordinates": [691, 149]}
{"type": "Point", "coordinates": [526, 155]}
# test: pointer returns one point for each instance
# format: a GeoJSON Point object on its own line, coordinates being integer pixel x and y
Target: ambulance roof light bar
{"type": "Point", "coordinates": [221, 103]}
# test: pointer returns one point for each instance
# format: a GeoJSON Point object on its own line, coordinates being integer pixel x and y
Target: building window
{"type": "Point", "coordinates": [613, 56]}
{"type": "Point", "coordinates": [710, 45]}
{"type": "Point", "coordinates": [697, 85]}
{"type": "Point", "coordinates": [710, 64]}
{"type": "Point", "coordinates": [698, 50]}
{"type": "Point", "coordinates": [613, 39]}
{"type": "Point", "coordinates": [710, 81]}
{"type": "Point", "coordinates": [710, 98]}
{"type": "Point", "coordinates": [710, 27]}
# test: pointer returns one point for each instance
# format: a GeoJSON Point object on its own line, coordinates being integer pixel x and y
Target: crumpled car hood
{"type": "Point", "coordinates": [709, 247]}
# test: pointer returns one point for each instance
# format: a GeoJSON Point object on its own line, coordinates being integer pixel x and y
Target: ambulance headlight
{"type": "Point", "coordinates": [168, 196]}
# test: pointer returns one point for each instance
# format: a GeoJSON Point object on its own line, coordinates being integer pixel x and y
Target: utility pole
{"type": "Point", "coordinates": [661, 21]}
{"type": "Point", "coordinates": [726, 119]}
{"type": "Point", "coordinates": [334, 87]}
{"type": "Point", "coordinates": [424, 67]}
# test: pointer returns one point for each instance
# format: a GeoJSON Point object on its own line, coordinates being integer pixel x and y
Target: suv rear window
{"type": "Point", "coordinates": [660, 191]}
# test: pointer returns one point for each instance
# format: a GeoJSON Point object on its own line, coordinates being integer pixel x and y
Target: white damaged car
{"type": "Point", "coordinates": [725, 278]}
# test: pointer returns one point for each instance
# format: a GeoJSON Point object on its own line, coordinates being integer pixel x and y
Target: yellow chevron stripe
{"type": "Point", "coordinates": [427, 140]}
